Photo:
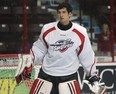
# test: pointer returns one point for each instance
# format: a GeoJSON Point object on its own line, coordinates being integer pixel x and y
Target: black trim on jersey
{"type": "Point", "coordinates": [64, 27]}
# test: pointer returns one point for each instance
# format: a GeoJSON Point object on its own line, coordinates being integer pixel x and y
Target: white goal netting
{"type": "Point", "coordinates": [8, 66]}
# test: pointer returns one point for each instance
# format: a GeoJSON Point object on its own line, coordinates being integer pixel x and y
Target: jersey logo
{"type": "Point", "coordinates": [62, 45]}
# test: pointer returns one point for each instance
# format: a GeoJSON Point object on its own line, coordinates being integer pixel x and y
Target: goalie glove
{"type": "Point", "coordinates": [24, 68]}
{"type": "Point", "coordinates": [95, 84]}
{"type": "Point", "coordinates": [25, 75]}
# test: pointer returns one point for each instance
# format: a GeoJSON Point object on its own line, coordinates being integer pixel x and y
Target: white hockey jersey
{"type": "Point", "coordinates": [61, 51]}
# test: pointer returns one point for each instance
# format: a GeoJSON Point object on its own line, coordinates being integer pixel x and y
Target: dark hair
{"type": "Point", "coordinates": [65, 5]}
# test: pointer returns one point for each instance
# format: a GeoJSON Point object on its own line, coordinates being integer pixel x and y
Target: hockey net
{"type": "Point", "coordinates": [8, 66]}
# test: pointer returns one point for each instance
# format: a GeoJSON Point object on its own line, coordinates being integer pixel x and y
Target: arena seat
{"type": "Point", "coordinates": [34, 28]}
{"type": "Point", "coordinates": [5, 10]}
{"type": "Point", "coordinates": [18, 10]}
{"type": "Point", "coordinates": [39, 10]}
{"type": "Point", "coordinates": [16, 27]}
{"type": "Point", "coordinates": [4, 28]}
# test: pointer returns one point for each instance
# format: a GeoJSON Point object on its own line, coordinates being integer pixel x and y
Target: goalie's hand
{"type": "Point", "coordinates": [95, 84]}
{"type": "Point", "coordinates": [25, 75]}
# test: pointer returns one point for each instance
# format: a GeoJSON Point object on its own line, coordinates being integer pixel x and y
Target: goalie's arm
{"type": "Point", "coordinates": [38, 51]}
{"type": "Point", "coordinates": [87, 59]}
{"type": "Point", "coordinates": [86, 55]}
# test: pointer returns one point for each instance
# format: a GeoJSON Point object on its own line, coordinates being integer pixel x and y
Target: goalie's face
{"type": "Point", "coordinates": [64, 16]}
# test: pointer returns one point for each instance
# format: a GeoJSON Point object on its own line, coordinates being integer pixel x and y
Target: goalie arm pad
{"type": "Point", "coordinates": [24, 68]}
{"type": "Point", "coordinates": [95, 84]}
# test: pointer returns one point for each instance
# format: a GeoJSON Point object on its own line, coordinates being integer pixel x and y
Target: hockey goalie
{"type": "Point", "coordinates": [62, 46]}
